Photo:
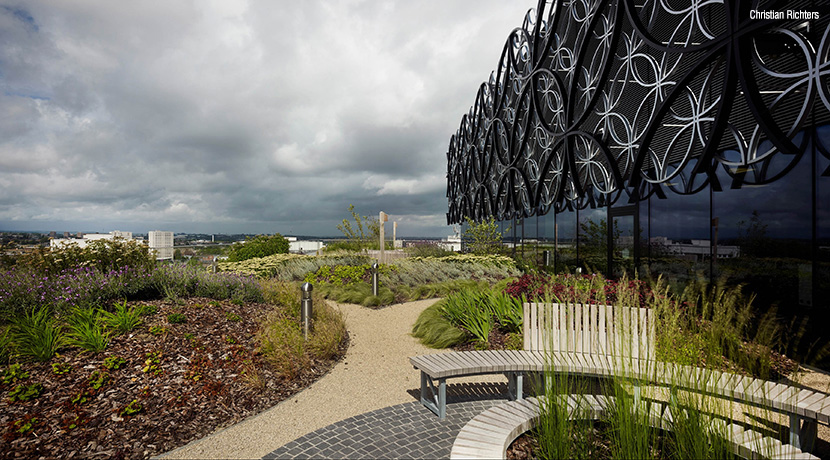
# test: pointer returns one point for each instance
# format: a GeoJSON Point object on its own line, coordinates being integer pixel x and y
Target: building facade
{"type": "Point", "coordinates": [685, 139]}
{"type": "Point", "coordinates": [162, 243]}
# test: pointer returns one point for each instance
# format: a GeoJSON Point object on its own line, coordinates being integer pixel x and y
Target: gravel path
{"type": "Point", "coordinates": [375, 373]}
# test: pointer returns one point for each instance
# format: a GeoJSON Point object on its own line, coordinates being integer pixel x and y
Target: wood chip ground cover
{"type": "Point", "coordinates": [177, 384]}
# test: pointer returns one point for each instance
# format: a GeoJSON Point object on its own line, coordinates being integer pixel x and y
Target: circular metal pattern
{"type": "Point", "coordinates": [597, 100]}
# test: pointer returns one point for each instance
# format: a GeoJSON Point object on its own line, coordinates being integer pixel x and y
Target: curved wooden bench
{"type": "Point", "coordinates": [804, 407]}
{"type": "Point", "coordinates": [489, 434]}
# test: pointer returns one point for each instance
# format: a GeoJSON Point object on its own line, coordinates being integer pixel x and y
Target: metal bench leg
{"type": "Point", "coordinates": [515, 382]}
{"type": "Point", "coordinates": [436, 401]}
{"type": "Point", "coordinates": [803, 435]}
{"type": "Point", "coordinates": [795, 431]}
{"type": "Point", "coordinates": [809, 432]}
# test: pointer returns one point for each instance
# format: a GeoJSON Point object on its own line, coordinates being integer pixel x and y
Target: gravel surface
{"type": "Point", "coordinates": [375, 373]}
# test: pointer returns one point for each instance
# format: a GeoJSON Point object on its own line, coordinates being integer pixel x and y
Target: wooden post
{"type": "Point", "coordinates": [382, 217]}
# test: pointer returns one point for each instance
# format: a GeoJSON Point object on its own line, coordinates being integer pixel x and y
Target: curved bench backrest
{"type": "Point", "coordinates": [590, 329]}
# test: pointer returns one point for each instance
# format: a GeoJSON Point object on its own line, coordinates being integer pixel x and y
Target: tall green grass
{"type": "Point", "coordinates": [87, 331]}
{"type": "Point", "coordinates": [436, 331]}
{"type": "Point", "coordinates": [36, 335]}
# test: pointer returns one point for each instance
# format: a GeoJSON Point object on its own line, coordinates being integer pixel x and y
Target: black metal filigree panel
{"type": "Point", "coordinates": [594, 101]}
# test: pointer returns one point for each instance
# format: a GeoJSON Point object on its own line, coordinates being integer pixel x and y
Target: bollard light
{"type": "Point", "coordinates": [375, 279]}
{"type": "Point", "coordinates": [546, 258]}
{"type": "Point", "coordinates": [305, 308]}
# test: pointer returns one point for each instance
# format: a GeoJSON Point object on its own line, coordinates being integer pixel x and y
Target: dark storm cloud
{"type": "Point", "coordinates": [234, 115]}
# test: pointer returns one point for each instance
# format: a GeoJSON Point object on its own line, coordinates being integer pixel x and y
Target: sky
{"type": "Point", "coordinates": [237, 116]}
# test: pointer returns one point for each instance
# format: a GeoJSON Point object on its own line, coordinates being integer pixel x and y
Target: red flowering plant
{"type": "Point", "coordinates": [592, 289]}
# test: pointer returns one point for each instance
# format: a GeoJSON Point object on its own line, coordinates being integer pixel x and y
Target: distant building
{"type": "Point", "coordinates": [696, 250]}
{"type": "Point", "coordinates": [304, 247]}
{"type": "Point", "coordinates": [162, 243]}
{"type": "Point", "coordinates": [451, 243]}
{"type": "Point", "coordinates": [83, 239]}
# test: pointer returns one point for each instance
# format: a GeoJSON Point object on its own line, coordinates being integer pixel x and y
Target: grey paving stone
{"type": "Point", "coordinates": [404, 431]}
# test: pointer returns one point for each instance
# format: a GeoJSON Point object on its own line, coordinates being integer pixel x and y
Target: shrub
{"type": "Point", "coordinates": [101, 255]}
{"type": "Point", "coordinates": [281, 343]}
{"type": "Point", "coordinates": [328, 332]}
{"type": "Point", "coordinates": [23, 290]}
{"type": "Point", "coordinates": [259, 246]}
{"type": "Point", "coordinates": [483, 237]}
{"type": "Point", "coordinates": [427, 250]}
{"type": "Point", "coordinates": [286, 295]}
{"type": "Point", "coordinates": [36, 335]}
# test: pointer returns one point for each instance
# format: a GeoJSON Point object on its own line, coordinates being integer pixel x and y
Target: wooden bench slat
{"type": "Point", "coordinates": [818, 400]}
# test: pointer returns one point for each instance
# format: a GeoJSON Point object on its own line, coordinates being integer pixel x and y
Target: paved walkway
{"type": "Point", "coordinates": [406, 430]}
{"type": "Point", "coordinates": [374, 374]}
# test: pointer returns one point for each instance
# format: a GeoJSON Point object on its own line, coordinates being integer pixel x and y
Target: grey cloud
{"type": "Point", "coordinates": [241, 116]}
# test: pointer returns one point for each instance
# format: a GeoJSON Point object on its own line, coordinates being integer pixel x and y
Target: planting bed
{"type": "Point", "coordinates": [182, 377]}
{"type": "Point", "coordinates": [526, 446]}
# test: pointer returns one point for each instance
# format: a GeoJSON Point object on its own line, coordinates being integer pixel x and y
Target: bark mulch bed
{"type": "Point", "coordinates": [177, 383]}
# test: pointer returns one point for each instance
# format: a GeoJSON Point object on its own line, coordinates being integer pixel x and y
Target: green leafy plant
{"type": "Point", "coordinates": [114, 362]}
{"type": "Point", "coordinates": [176, 318]}
{"type": "Point", "coordinates": [98, 379]}
{"type": "Point", "coordinates": [25, 425]}
{"type": "Point", "coordinates": [14, 373]}
{"type": "Point", "coordinates": [466, 309]}
{"type": "Point", "coordinates": [5, 345]}
{"type": "Point", "coordinates": [483, 237]}
{"type": "Point", "coordinates": [61, 368]}
{"type": "Point", "coordinates": [86, 330]}
{"type": "Point", "coordinates": [148, 310]}
{"type": "Point", "coordinates": [36, 334]}
{"type": "Point", "coordinates": [230, 339]}
{"type": "Point", "coordinates": [132, 408]}
{"type": "Point", "coordinates": [157, 330]}
{"type": "Point", "coordinates": [434, 330]}
{"type": "Point", "coordinates": [232, 317]}
{"type": "Point", "coordinates": [123, 319]}
{"type": "Point", "coordinates": [81, 398]}
{"type": "Point", "coordinates": [363, 233]}
{"type": "Point", "coordinates": [22, 393]}
{"type": "Point", "coordinates": [151, 364]}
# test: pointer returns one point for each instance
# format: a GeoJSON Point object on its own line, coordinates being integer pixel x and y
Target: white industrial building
{"type": "Point", "coordinates": [296, 246]}
{"type": "Point", "coordinates": [162, 243]}
{"type": "Point", "coordinates": [85, 238]}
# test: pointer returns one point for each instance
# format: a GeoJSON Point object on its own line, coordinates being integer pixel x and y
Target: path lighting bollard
{"type": "Point", "coordinates": [546, 258]}
{"type": "Point", "coordinates": [375, 279]}
{"type": "Point", "coordinates": [305, 308]}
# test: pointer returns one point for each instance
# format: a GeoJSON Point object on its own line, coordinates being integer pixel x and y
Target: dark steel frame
{"type": "Point", "coordinates": [595, 100]}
